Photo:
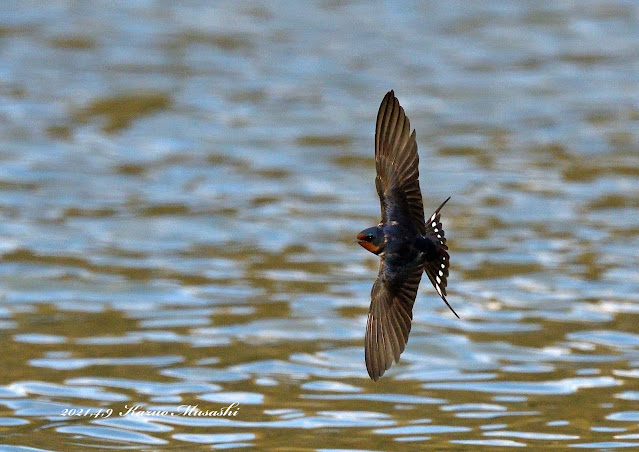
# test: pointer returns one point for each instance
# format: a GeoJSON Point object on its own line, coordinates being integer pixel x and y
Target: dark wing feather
{"type": "Point", "coordinates": [397, 165]}
{"type": "Point", "coordinates": [389, 319]}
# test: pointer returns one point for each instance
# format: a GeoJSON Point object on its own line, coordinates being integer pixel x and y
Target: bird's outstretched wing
{"type": "Point", "coordinates": [397, 165]}
{"type": "Point", "coordinates": [389, 318]}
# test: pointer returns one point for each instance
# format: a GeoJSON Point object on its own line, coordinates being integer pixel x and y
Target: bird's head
{"type": "Point", "coordinates": [371, 239]}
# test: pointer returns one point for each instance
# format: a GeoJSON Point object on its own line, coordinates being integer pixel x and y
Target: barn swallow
{"type": "Point", "coordinates": [405, 243]}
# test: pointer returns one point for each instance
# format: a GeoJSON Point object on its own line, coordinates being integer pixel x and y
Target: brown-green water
{"type": "Point", "coordinates": [180, 188]}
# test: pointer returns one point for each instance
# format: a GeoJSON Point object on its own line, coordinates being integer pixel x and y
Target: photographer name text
{"type": "Point", "coordinates": [138, 410]}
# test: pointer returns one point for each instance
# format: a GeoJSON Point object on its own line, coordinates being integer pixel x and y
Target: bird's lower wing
{"type": "Point", "coordinates": [389, 320]}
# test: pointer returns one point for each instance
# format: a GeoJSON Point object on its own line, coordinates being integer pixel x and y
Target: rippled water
{"type": "Point", "coordinates": [181, 184]}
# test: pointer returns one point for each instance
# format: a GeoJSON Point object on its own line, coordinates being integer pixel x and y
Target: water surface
{"type": "Point", "coordinates": [181, 185]}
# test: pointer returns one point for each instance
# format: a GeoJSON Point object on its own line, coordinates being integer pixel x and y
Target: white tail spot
{"type": "Point", "coordinates": [433, 224]}
{"type": "Point", "coordinates": [438, 279]}
{"type": "Point", "coordinates": [441, 273]}
{"type": "Point", "coordinates": [443, 266]}
{"type": "Point", "coordinates": [439, 291]}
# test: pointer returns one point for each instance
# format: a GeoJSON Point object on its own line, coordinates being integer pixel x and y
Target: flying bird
{"type": "Point", "coordinates": [407, 245]}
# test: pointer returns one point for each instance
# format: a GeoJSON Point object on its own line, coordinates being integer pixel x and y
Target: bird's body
{"type": "Point", "coordinates": [406, 244]}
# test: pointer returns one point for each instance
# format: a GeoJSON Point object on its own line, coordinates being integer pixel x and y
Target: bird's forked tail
{"type": "Point", "coordinates": [437, 268]}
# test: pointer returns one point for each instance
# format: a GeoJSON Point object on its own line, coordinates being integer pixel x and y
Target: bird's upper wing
{"type": "Point", "coordinates": [389, 318]}
{"type": "Point", "coordinates": [397, 162]}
